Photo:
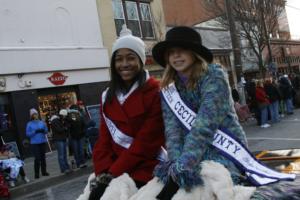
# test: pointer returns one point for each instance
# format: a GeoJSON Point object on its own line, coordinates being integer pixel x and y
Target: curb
{"type": "Point", "coordinates": [35, 186]}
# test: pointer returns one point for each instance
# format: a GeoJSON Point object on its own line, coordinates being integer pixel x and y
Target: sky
{"type": "Point", "coordinates": [293, 14]}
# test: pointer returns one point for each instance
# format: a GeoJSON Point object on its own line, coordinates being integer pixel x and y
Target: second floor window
{"type": "Point", "coordinates": [136, 15]}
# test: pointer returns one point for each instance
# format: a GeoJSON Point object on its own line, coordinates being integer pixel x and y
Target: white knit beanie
{"type": "Point", "coordinates": [127, 40]}
{"type": "Point", "coordinates": [33, 111]}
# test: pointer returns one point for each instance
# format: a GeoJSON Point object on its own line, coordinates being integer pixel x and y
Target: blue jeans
{"type": "Point", "coordinates": [61, 146]}
{"type": "Point", "coordinates": [264, 115]}
{"type": "Point", "coordinates": [289, 105]}
{"type": "Point", "coordinates": [77, 146]}
{"type": "Point", "coordinates": [274, 111]}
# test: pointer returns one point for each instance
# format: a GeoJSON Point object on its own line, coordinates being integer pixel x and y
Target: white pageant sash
{"type": "Point", "coordinates": [121, 138]}
{"type": "Point", "coordinates": [223, 140]}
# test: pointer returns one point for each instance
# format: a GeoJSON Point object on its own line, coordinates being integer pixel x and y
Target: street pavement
{"type": "Point", "coordinates": [282, 135]}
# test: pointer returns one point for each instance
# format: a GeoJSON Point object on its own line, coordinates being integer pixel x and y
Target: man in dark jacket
{"type": "Point", "coordinates": [77, 133]}
{"type": "Point", "coordinates": [92, 133]}
{"type": "Point", "coordinates": [286, 90]}
{"type": "Point", "coordinates": [60, 135]}
{"type": "Point", "coordinates": [273, 94]}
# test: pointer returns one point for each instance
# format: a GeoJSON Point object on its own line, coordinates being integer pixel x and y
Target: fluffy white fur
{"type": "Point", "coordinates": [218, 185]}
{"type": "Point", "coordinates": [86, 190]}
{"type": "Point", "coordinates": [121, 188]}
{"type": "Point", "coordinates": [149, 191]}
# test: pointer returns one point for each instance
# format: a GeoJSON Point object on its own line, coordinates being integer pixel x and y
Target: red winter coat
{"type": "Point", "coordinates": [261, 96]}
{"type": "Point", "coordinates": [139, 117]}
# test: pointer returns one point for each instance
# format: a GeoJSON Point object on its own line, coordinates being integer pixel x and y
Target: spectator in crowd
{"type": "Point", "coordinates": [60, 131]}
{"type": "Point", "coordinates": [242, 111]}
{"type": "Point", "coordinates": [273, 94]}
{"type": "Point", "coordinates": [77, 135]}
{"type": "Point", "coordinates": [37, 132]}
{"type": "Point", "coordinates": [296, 86]}
{"type": "Point", "coordinates": [251, 100]}
{"type": "Point", "coordinates": [92, 132]}
{"type": "Point", "coordinates": [11, 164]}
{"type": "Point", "coordinates": [263, 103]}
{"type": "Point", "coordinates": [286, 90]}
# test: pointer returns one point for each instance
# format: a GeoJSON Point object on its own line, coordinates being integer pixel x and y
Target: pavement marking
{"type": "Point", "coordinates": [267, 138]}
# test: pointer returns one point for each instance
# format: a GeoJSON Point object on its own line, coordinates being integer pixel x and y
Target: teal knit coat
{"type": "Point", "coordinates": [212, 102]}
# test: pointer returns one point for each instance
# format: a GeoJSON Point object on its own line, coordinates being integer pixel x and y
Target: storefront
{"type": "Point", "coordinates": [48, 93]}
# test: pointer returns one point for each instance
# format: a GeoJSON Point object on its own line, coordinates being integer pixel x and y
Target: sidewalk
{"type": "Point", "coordinates": [43, 182]}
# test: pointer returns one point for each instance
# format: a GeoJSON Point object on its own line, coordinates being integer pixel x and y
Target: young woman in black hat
{"type": "Point", "coordinates": [200, 124]}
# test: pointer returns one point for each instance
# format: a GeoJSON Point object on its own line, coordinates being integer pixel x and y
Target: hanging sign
{"type": "Point", "coordinates": [57, 78]}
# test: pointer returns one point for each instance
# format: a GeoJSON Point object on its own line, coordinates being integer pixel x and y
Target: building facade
{"type": "Point", "coordinates": [195, 13]}
{"type": "Point", "coordinates": [54, 53]}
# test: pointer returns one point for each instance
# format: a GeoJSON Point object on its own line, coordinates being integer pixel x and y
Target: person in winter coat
{"type": "Point", "coordinates": [286, 90]}
{"type": "Point", "coordinates": [37, 131]}
{"type": "Point", "coordinates": [131, 121]}
{"type": "Point", "coordinates": [60, 131]}
{"type": "Point", "coordinates": [77, 135]}
{"type": "Point", "coordinates": [251, 100]}
{"type": "Point", "coordinates": [203, 105]}
{"type": "Point", "coordinates": [92, 133]}
{"type": "Point", "coordinates": [11, 164]}
{"type": "Point", "coordinates": [272, 92]}
{"type": "Point", "coordinates": [263, 103]}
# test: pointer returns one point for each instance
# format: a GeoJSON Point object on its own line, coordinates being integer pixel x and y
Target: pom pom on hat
{"type": "Point", "coordinates": [128, 41]}
{"type": "Point", "coordinates": [33, 111]}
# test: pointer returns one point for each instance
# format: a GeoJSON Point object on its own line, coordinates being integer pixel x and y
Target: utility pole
{"type": "Point", "coordinates": [236, 47]}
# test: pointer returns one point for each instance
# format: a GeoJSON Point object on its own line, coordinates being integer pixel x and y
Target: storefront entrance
{"type": "Point", "coordinates": [50, 104]}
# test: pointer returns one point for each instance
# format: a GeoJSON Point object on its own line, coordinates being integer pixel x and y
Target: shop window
{"type": "Point", "coordinates": [51, 104]}
{"type": "Point", "coordinates": [136, 15]}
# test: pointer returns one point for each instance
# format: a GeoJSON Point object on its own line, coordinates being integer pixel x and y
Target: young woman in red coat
{"type": "Point", "coordinates": [131, 130]}
{"type": "Point", "coordinates": [263, 103]}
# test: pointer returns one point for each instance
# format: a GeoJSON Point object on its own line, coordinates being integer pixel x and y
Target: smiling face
{"type": "Point", "coordinates": [127, 64]}
{"type": "Point", "coordinates": [181, 60]}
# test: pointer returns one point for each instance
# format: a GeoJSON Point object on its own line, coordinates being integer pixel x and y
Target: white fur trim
{"type": "Point", "coordinates": [218, 185]}
{"type": "Point", "coordinates": [86, 190]}
{"type": "Point", "coordinates": [120, 188]}
{"type": "Point", "coordinates": [149, 191]}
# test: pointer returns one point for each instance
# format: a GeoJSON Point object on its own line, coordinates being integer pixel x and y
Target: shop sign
{"type": "Point", "coordinates": [57, 78]}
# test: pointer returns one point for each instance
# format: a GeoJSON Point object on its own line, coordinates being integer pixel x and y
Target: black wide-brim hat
{"type": "Point", "coordinates": [184, 37]}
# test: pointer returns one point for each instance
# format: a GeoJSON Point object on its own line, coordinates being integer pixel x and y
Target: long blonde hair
{"type": "Point", "coordinates": [199, 68]}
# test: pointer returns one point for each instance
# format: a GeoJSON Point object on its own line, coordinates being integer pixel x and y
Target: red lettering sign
{"type": "Point", "coordinates": [57, 78]}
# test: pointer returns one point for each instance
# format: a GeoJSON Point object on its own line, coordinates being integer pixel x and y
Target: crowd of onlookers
{"type": "Point", "coordinates": [73, 134]}
{"type": "Point", "coordinates": [269, 99]}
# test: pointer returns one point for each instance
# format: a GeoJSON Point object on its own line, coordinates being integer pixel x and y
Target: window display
{"type": "Point", "coordinates": [52, 103]}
